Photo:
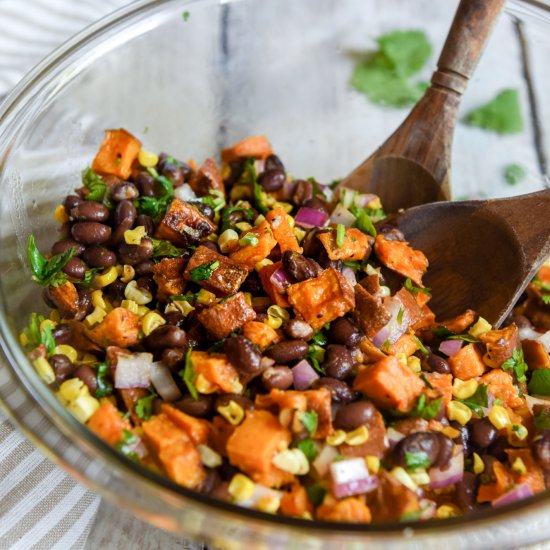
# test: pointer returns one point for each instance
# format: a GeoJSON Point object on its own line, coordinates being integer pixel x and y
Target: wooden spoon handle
{"type": "Point", "coordinates": [472, 25]}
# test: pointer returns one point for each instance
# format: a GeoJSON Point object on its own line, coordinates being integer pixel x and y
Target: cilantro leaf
{"type": "Point", "coordinates": [316, 493]}
{"type": "Point", "coordinates": [88, 278]}
{"type": "Point", "coordinates": [144, 406]}
{"type": "Point", "coordinates": [426, 381]}
{"type": "Point", "coordinates": [247, 214]}
{"type": "Point", "coordinates": [250, 239]}
{"type": "Point", "coordinates": [501, 115]}
{"type": "Point", "coordinates": [47, 272]}
{"type": "Point", "coordinates": [104, 386]}
{"type": "Point", "coordinates": [164, 249]}
{"type": "Point", "coordinates": [250, 177]}
{"type": "Point", "coordinates": [156, 206]}
{"type": "Point", "coordinates": [95, 185]}
{"type": "Point", "coordinates": [421, 346]}
{"type": "Point", "coordinates": [188, 375]}
{"type": "Point", "coordinates": [416, 459]}
{"type": "Point", "coordinates": [540, 382]}
{"type": "Point", "coordinates": [320, 338]}
{"type": "Point", "coordinates": [183, 297]}
{"type": "Point", "coordinates": [479, 400]}
{"type": "Point", "coordinates": [127, 444]}
{"type": "Point", "coordinates": [310, 420]}
{"type": "Point", "coordinates": [542, 416]}
{"type": "Point", "coordinates": [514, 173]}
{"type": "Point", "coordinates": [407, 50]}
{"type": "Point", "coordinates": [316, 355]}
{"type": "Point", "coordinates": [411, 516]}
{"type": "Point", "coordinates": [425, 410]}
{"type": "Point", "coordinates": [307, 446]}
{"type": "Point", "coordinates": [203, 272]}
{"type": "Point", "coordinates": [215, 199]}
{"type": "Point", "coordinates": [442, 332]}
{"type": "Point", "coordinates": [416, 289]}
{"type": "Point", "coordinates": [400, 316]}
{"type": "Point", "coordinates": [518, 364]}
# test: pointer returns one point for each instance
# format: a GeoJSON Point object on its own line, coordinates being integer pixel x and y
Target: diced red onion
{"type": "Point", "coordinates": [343, 216]}
{"type": "Point", "coordinates": [454, 472]}
{"type": "Point", "coordinates": [519, 492]}
{"type": "Point", "coordinates": [528, 333]}
{"type": "Point", "coordinates": [532, 401]}
{"type": "Point", "coordinates": [280, 280]}
{"type": "Point", "coordinates": [351, 477]}
{"type": "Point", "coordinates": [349, 274]}
{"type": "Point", "coordinates": [310, 217]}
{"type": "Point", "coordinates": [133, 371]}
{"type": "Point", "coordinates": [450, 347]}
{"type": "Point", "coordinates": [394, 437]}
{"type": "Point", "coordinates": [362, 199]}
{"type": "Point", "coordinates": [428, 508]}
{"type": "Point", "coordinates": [164, 382]}
{"type": "Point", "coordinates": [545, 340]}
{"type": "Point", "coordinates": [304, 375]}
{"type": "Point", "coordinates": [185, 193]}
{"type": "Point", "coordinates": [324, 459]}
{"type": "Point", "coordinates": [394, 329]}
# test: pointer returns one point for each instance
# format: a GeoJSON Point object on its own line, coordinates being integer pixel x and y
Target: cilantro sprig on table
{"type": "Point", "coordinates": [501, 115]}
{"type": "Point", "coordinates": [47, 272]}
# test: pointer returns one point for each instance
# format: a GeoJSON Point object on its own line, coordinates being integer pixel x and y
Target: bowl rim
{"type": "Point", "coordinates": [40, 79]}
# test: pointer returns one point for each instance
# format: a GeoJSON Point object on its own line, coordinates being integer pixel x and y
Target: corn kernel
{"type": "Point", "coordinates": [227, 239]}
{"type": "Point", "coordinates": [68, 351]}
{"type": "Point", "coordinates": [480, 327]}
{"type": "Point", "coordinates": [44, 370]}
{"type": "Point", "coordinates": [240, 192]}
{"type": "Point", "coordinates": [285, 416]}
{"type": "Point", "coordinates": [499, 418]}
{"type": "Point", "coordinates": [293, 461]}
{"type": "Point", "coordinates": [70, 390]}
{"type": "Point", "coordinates": [450, 432]}
{"type": "Point", "coordinates": [358, 436]}
{"type": "Point", "coordinates": [83, 407]}
{"type": "Point", "coordinates": [373, 464]}
{"type": "Point", "coordinates": [269, 504]}
{"type": "Point", "coordinates": [47, 323]}
{"type": "Point", "coordinates": [142, 310]}
{"type": "Point", "coordinates": [262, 263]}
{"type": "Point", "coordinates": [209, 457]}
{"type": "Point", "coordinates": [479, 465]}
{"type": "Point", "coordinates": [278, 311]}
{"type": "Point", "coordinates": [519, 431]}
{"type": "Point", "coordinates": [447, 511]}
{"type": "Point", "coordinates": [182, 306]}
{"type": "Point", "coordinates": [248, 297]}
{"type": "Point", "coordinates": [518, 466]}
{"type": "Point", "coordinates": [243, 226]}
{"type": "Point", "coordinates": [402, 358]}
{"type": "Point", "coordinates": [375, 203]}
{"type": "Point", "coordinates": [420, 477]}
{"type": "Point", "coordinates": [299, 233]}
{"type": "Point", "coordinates": [383, 292]}
{"type": "Point", "coordinates": [403, 477]}
{"type": "Point", "coordinates": [151, 321]}
{"type": "Point", "coordinates": [290, 220]}
{"type": "Point", "coordinates": [147, 159]}
{"type": "Point", "coordinates": [336, 438]}
{"type": "Point", "coordinates": [97, 315]}
{"type": "Point", "coordinates": [23, 339]}
{"type": "Point", "coordinates": [134, 236]}
{"type": "Point", "coordinates": [203, 385]}
{"type": "Point", "coordinates": [130, 305]}
{"type": "Point", "coordinates": [241, 487]}
{"type": "Point", "coordinates": [413, 362]}
{"type": "Point", "coordinates": [273, 322]}
{"type": "Point", "coordinates": [259, 220]}
{"type": "Point", "coordinates": [128, 273]}
{"type": "Point", "coordinates": [232, 412]}
{"type": "Point", "coordinates": [60, 214]}
{"type": "Point", "coordinates": [140, 296]}
{"type": "Point", "coordinates": [106, 278]}
{"type": "Point", "coordinates": [464, 389]}
{"type": "Point", "coordinates": [213, 237]}
{"type": "Point", "coordinates": [459, 412]}
{"type": "Point", "coordinates": [87, 358]}
{"type": "Point", "coordinates": [236, 386]}
{"type": "Point", "coordinates": [287, 207]}
{"type": "Point", "coordinates": [205, 297]}
{"type": "Point", "coordinates": [98, 300]}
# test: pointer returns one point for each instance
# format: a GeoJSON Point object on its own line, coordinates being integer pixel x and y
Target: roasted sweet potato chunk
{"type": "Point", "coordinates": [467, 363]}
{"type": "Point", "coordinates": [226, 278]}
{"type": "Point", "coordinates": [116, 154]}
{"type": "Point", "coordinates": [257, 147]}
{"type": "Point", "coordinates": [168, 275]}
{"type": "Point", "coordinates": [350, 510]}
{"type": "Point", "coordinates": [65, 297]}
{"type": "Point", "coordinates": [120, 327]}
{"type": "Point", "coordinates": [217, 372]}
{"type": "Point", "coordinates": [184, 224]}
{"type": "Point", "coordinates": [207, 178]}
{"type": "Point", "coordinates": [535, 354]}
{"type": "Point", "coordinates": [356, 245]}
{"type": "Point", "coordinates": [392, 499]}
{"type": "Point", "coordinates": [500, 345]}
{"type": "Point", "coordinates": [501, 385]}
{"type": "Point", "coordinates": [108, 423]}
{"type": "Point", "coordinates": [282, 231]}
{"type": "Point", "coordinates": [250, 254]}
{"type": "Point", "coordinates": [370, 314]}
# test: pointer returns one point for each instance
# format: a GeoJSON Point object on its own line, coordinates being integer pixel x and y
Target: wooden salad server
{"type": "Point", "coordinates": [413, 166]}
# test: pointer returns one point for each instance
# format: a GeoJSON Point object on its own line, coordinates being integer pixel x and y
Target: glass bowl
{"type": "Point", "coordinates": [189, 77]}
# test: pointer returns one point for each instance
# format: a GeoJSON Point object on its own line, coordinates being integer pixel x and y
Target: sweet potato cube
{"type": "Point", "coordinates": [390, 384]}
{"type": "Point", "coordinates": [260, 334]}
{"type": "Point", "coordinates": [460, 323]}
{"type": "Point", "coordinates": [356, 246]}
{"type": "Point", "coordinates": [161, 432]}
{"type": "Point", "coordinates": [442, 386]}
{"type": "Point", "coordinates": [208, 177]}
{"type": "Point", "coordinates": [249, 255]}
{"type": "Point", "coordinates": [66, 299]}
{"type": "Point", "coordinates": [322, 299]}
{"type": "Point", "coordinates": [534, 475]}
{"type": "Point", "coordinates": [225, 279]}
{"type": "Point", "coordinates": [108, 423]}
{"type": "Point", "coordinates": [197, 429]}
{"type": "Point", "coordinates": [282, 231]}
{"type": "Point", "coordinates": [467, 363]}
{"type": "Point", "coordinates": [255, 442]}
{"type": "Point", "coordinates": [347, 510]}
{"type": "Point", "coordinates": [271, 290]}
{"type": "Point", "coordinates": [168, 275]}
{"type": "Point", "coordinates": [370, 314]}
{"type": "Point", "coordinates": [535, 354]}
{"type": "Point", "coordinates": [184, 224]}
{"type": "Point", "coordinates": [119, 327]}
{"type": "Point", "coordinates": [183, 464]}
{"type": "Point", "coordinates": [222, 319]}
{"type": "Point", "coordinates": [501, 385]}
{"type": "Point", "coordinates": [116, 154]}
{"type": "Point", "coordinates": [257, 147]}
{"type": "Point", "coordinates": [406, 344]}
{"type": "Point", "coordinates": [217, 371]}
{"type": "Point", "coordinates": [295, 503]}
{"type": "Point", "coordinates": [392, 499]}
{"type": "Point", "coordinates": [400, 257]}
{"type": "Point", "coordinates": [500, 345]}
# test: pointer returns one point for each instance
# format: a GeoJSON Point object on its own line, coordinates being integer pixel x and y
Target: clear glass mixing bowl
{"type": "Point", "coordinates": [189, 85]}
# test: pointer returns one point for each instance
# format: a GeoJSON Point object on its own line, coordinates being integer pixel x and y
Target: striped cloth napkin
{"type": "Point", "coordinates": [40, 505]}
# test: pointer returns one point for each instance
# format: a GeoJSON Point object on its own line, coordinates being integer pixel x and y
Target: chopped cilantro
{"type": "Point", "coordinates": [88, 278]}
{"type": "Point", "coordinates": [164, 249]}
{"type": "Point", "coordinates": [415, 289]}
{"type": "Point", "coordinates": [156, 206]}
{"type": "Point", "coordinates": [518, 364]}
{"type": "Point", "coordinates": [307, 446]}
{"type": "Point", "coordinates": [204, 272]}
{"type": "Point", "coordinates": [47, 272]}
{"type": "Point", "coordinates": [127, 444]}
{"type": "Point", "coordinates": [416, 459]}
{"type": "Point", "coordinates": [183, 297]}
{"type": "Point", "coordinates": [144, 406]}
{"type": "Point", "coordinates": [316, 355]}
{"type": "Point", "coordinates": [425, 410]}
{"type": "Point", "coordinates": [353, 265]}
{"type": "Point", "coordinates": [464, 337]}
{"type": "Point", "coordinates": [316, 493]}
{"type": "Point", "coordinates": [95, 185]}
{"type": "Point", "coordinates": [442, 332]}
{"type": "Point", "coordinates": [215, 199]}
{"type": "Point", "coordinates": [426, 381]}
{"type": "Point", "coordinates": [514, 173]}
{"type": "Point", "coordinates": [188, 375]}
{"type": "Point", "coordinates": [104, 386]}
{"type": "Point", "coordinates": [421, 346]}
{"type": "Point", "coordinates": [340, 235]}
{"type": "Point", "coordinates": [320, 338]}
{"type": "Point", "coordinates": [248, 215]}
{"type": "Point", "coordinates": [249, 177]}
{"type": "Point", "coordinates": [185, 15]}
{"type": "Point", "coordinates": [250, 239]}
{"type": "Point", "coordinates": [410, 516]}
{"type": "Point", "coordinates": [363, 221]}
{"type": "Point", "coordinates": [501, 115]}
{"type": "Point", "coordinates": [540, 382]}
{"type": "Point", "coordinates": [400, 316]}
{"type": "Point", "coordinates": [309, 419]}
{"type": "Point", "coordinates": [479, 400]}
{"type": "Point", "coordinates": [386, 345]}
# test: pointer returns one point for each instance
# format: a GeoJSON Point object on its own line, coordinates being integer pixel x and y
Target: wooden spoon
{"type": "Point", "coordinates": [482, 254]}
{"type": "Point", "coordinates": [413, 166]}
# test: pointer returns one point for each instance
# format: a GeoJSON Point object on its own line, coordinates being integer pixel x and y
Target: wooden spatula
{"type": "Point", "coordinates": [482, 254]}
{"type": "Point", "coordinates": [413, 166]}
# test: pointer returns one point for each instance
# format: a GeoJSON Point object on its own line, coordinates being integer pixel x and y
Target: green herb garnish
{"type": "Point", "coordinates": [416, 459]}
{"type": "Point", "coordinates": [104, 386]}
{"type": "Point", "coordinates": [442, 332]}
{"type": "Point", "coordinates": [421, 346]}
{"type": "Point", "coordinates": [426, 381]}
{"type": "Point", "coordinates": [320, 338]}
{"type": "Point", "coordinates": [156, 206]}
{"type": "Point", "coordinates": [47, 272]}
{"type": "Point", "coordinates": [183, 297]}
{"type": "Point", "coordinates": [248, 215]}
{"type": "Point", "coordinates": [249, 240]}
{"type": "Point", "coordinates": [164, 249]}
{"type": "Point", "coordinates": [144, 406]}
{"type": "Point", "coordinates": [307, 446]}
{"type": "Point", "coordinates": [316, 493]}
{"type": "Point", "coordinates": [501, 115]}
{"type": "Point", "coordinates": [188, 375]}
{"type": "Point", "coordinates": [542, 416]}
{"type": "Point", "coordinates": [204, 272]}
{"type": "Point", "coordinates": [540, 382]}
{"type": "Point", "coordinates": [88, 278]}
{"type": "Point", "coordinates": [185, 15]}
{"type": "Point", "coordinates": [316, 355]}
{"type": "Point", "coordinates": [426, 410]}
{"type": "Point", "coordinates": [310, 420]}
{"type": "Point", "coordinates": [514, 173]}
{"type": "Point", "coordinates": [400, 316]}
{"type": "Point", "coordinates": [95, 185]}
{"type": "Point", "coordinates": [363, 221]}
{"type": "Point", "coordinates": [479, 400]}
{"type": "Point", "coordinates": [464, 337]}
{"type": "Point", "coordinates": [415, 289]}
{"type": "Point", "coordinates": [127, 444]}
{"type": "Point", "coordinates": [215, 199]}
{"type": "Point", "coordinates": [340, 235]}
{"type": "Point", "coordinates": [517, 364]}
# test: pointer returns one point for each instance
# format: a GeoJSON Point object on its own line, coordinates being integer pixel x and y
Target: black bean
{"type": "Point", "coordinates": [226, 398]}
{"type": "Point", "coordinates": [88, 376]}
{"type": "Point", "coordinates": [325, 262]}
{"type": "Point", "coordinates": [541, 448]}
{"type": "Point", "coordinates": [303, 191]}
{"type": "Point", "coordinates": [146, 184]}
{"type": "Point", "coordinates": [174, 358]}
{"type": "Point", "coordinates": [144, 268]}
{"type": "Point", "coordinates": [466, 490]}
{"type": "Point", "coordinates": [211, 245]}
{"type": "Point", "coordinates": [340, 392]}
{"type": "Point", "coordinates": [351, 416]}
{"type": "Point", "coordinates": [175, 318]}
{"type": "Point", "coordinates": [173, 172]}
{"type": "Point", "coordinates": [343, 331]}
{"type": "Point", "coordinates": [338, 362]}
{"type": "Point", "coordinates": [252, 284]}
{"type": "Point", "coordinates": [62, 333]}
{"type": "Point", "coordinates": [299, 267]}
{"type": "Point", "coordinates": [71, 201]}
{"type": "Point", "coordinates": [99, 256]}
{"type": "Point", "coordinates": [76, 268]}
{"type": "Point", "coordinates": [242, 354]}
{"type": "Point", "coordinates": [147, 283]}
{"type": "Point", "coordinates": [521, 321]}
{"type": "Point", "coordinates": [166, 336]}
{"type": "Point", "coordinates": [426, 442]}
{"type": "Point", "coordinates": [311, 245]}
{"type": "Point", "coordinates": [200, 407]}
{"type": "Point", "coordinates": [124, 191]}
{"type": "Point", "coordinates": [62, 367]}
{"type": "Point", "coordinates": [115, 292]}
{"type": "Point", "coordinates": [90, 232]}
{"type": "Point", "coordinates": [287, 351]}
{"type": "Point", "coordinates": [390, 232]}
{"type": "Point", "coordinates": [498, 448]}
{"type": "Point", "coordinates": [272, 180]}
{"type": "Point", "coordinates": [482, 433]}
{"type": "Point", "coordinates": [279, 378]}
{"type": "Point", "coordinates": [147, 222]}
{"type": "Point", "coordinates": [463, 437]}
{"type": "Point", "coordinates": [296, 328]}
{"type": "Point", "coordinates": [273, 162]}
{"type": "Point", "coordinates": [85, 305]}
{"type": "Point", "coordinates": [317, 204]}
{"type": "Point", "coordinates": [438, 364]}
{"type": "Point", "coordinates": [133, 254]}
{"type": "Point", "coordinates": [125, 214]}
{"type": "Point", "coordinates": [446, 448]}
{"type": "Point", "coordinates": [62, 246]}
{"type": "Point", "coordinates": [90, 211]}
